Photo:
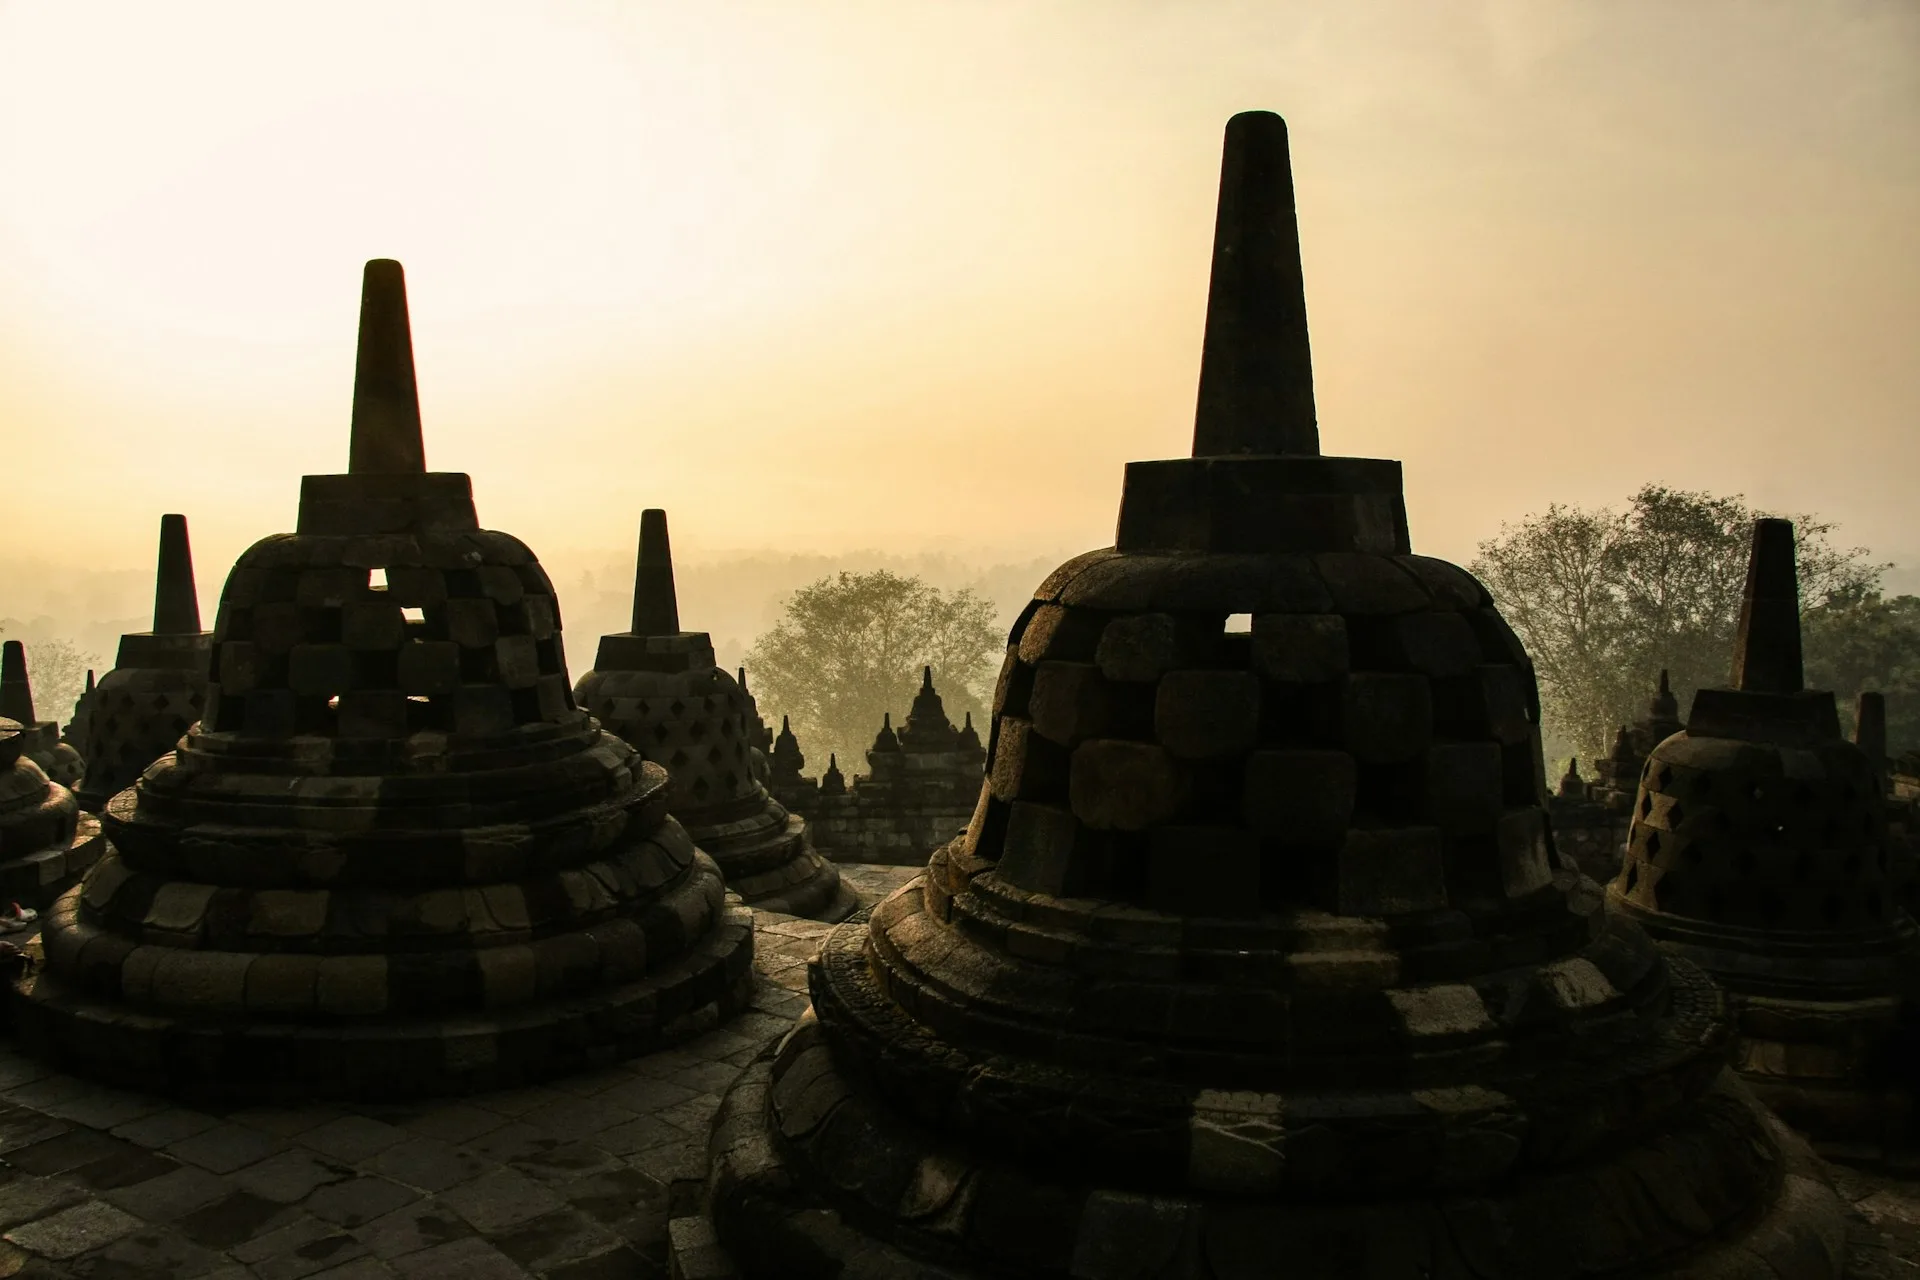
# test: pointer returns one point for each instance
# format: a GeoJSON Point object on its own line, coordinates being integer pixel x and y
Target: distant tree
{"type": "Point", "coordinates": [849, 648]}
{"type": "Point", "coordinates": [1604, 599]}
{"type": "Point", "coordinates": [58, 670]}
{"type": "Point", "coordinates": [1856, 641]}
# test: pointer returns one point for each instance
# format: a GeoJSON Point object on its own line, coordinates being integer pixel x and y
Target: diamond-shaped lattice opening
{"type": "Point", "coordinates": [1852, 865]}
{"type": "Point", "coordinates": [1803, 866]}
{"type": "Point", "coordinates": [700, 788]}
{"type": "Point", "coordinates": [1633, 877]}
{"type": "Point", "coordinates": [679, 760]}
{"type": "Point", "coordinates": [1646, 806]}
{"type": "Point", "coordinates": [1675, 816]}
{"type": "Point", "coordinates": [1662, 778]}
{"type": "Point", "coordinates": [1703, 786]}
{"type": "Point", "coordinates": [697, 730]}
{"type": "Point", "coordinates": [1746, 862]}
{"type": "Point", "coordinates": [640, 708]}
{"type": "Point", "coordinates": [1653, 843]}
{"type": "Point", "coordinates": [677, 707]}
{"type": "Point", "coordinates": [660, 733]}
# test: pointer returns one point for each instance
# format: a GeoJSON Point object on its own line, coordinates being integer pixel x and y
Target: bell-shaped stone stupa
{"type": "Point", "coordinates": [158, 686]}
{"type": "Point", "coordinates": [1759, 850]}
{"type": "Point", "coordinates": [393, 858]}
{"type": "Point", "coordinates": [41, 741]}
{"type": "Point", "coordinates": [657, 687]}
{"type": "Point", "coordinates": [45, 841]}
{"type": "Point", "coordinates": [1256, 957]}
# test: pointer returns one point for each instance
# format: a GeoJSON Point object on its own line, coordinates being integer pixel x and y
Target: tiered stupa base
{"type": "Point", "coordinates": [46, 843]}
{"type": "Point", "coordinates": [769, 860]}
{"type": "Point", "coordinates": [1639, 1157]}
{"type": "Point", "coordinates": [225, 1056]}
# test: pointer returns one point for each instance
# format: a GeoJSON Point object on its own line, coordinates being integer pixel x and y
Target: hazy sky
{"type": "Point", "coordinates": [851, 273]}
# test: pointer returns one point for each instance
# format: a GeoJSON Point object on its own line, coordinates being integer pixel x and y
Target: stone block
{"type": "Point", "coordinates": [429, 667]}
{"type": "Point", "coordinates": [1524, 865]}
{"type": "Point", "coordinates": [420, 587]}
{"type": "Point", "coordinates": [1069, 702]}
{"type": "Point", "coordinates": [1238, 1143]}
{"type": "Point", "coordinates": [1390, 871]}
{"type": "Point", "coordinates": [1300, 797]}
{"type": "Point", "coordinates": [1444, 1010]}
{"type": "Point", "coordinates": [1062, 633]}
{"type": "Point", "coordinates": [471, 623]}
{"type": "Point", "coordinates": [373, 713]}
{"type": "Point", "coordinates": [481, 709]}
{"type": "Point", "coordinates": [1466, 785]}
{"type": "Point", "coordinates": [1203, 715]}
{"type": "Point", "coordinates": [239, 667]}
{"type": "Point", "coordinates": [288, 913]}
{"type": "Point", "coordinates": [282, 984]}
{"type": "Point", "coordinates": [519, 661]}
{"type": "Point", "coordinates": [1300, 648]}
{"type": "Point", "coordinates": [1141, 647]}
{"type": "Point", "coordinates": [1369, 585]}
{"type": "Point", "coordinates": [1503, 702]}
{"type": "Point", "coordinates": [1038, 851]}
{"type": "Point", "coordinates": [1436, 644]}
{"type": "Point", "coordinates": [351, 985]}
{"type": "Point", "coordinates": [201, 981]}
{"type": "Point", "coordinates": [277, 627]}
{"type": "Point", "coordinates": [1025, 765]}
{"type": "Point", "coordinates": [1124, 786]}
{"type": "Point", "coordinates": [508, 975]}
{"type": "Point", "coordinates": [1386, 717]}
{"type": "Point", "coordinates": [1203, 871]}
{"type": "Point", "coordinates": [319, 670]}
{"type": "Point", "coordinates": [375, 625]}
{"type": "Point", "coordinates": [501, 583]}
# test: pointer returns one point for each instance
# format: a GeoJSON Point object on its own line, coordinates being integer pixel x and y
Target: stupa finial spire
{"type": "Point", "coordinates": [656, 610]}
{"type": "Point", "coordinates": [1256, 368]}
{"type": "Point", "coordinates": [16, 694]}
{"type": "Point", "coordinates": [386, 401]}
{"type": "Point", "coordinates": [176, 604]}
{"type": "Point", "coordinates": [1766, 647]}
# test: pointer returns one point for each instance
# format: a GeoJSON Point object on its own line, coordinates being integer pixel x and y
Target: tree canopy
{"type": "Point", "coordinates": [1606, 598]}
{"type": "Point", "coordinates": [849, 648]}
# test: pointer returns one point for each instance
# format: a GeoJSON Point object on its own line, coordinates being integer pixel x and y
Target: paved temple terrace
{"type": "Point", "coordinates": [575, 1180]}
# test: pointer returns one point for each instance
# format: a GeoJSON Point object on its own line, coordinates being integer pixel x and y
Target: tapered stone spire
{"type": "Point", "coordinates": [386, 401]}
{"type": "Point", "coordinates": [1256, 368]}
{"type": "Point", "coordinates": [656, 610]}
{"type": "Point", "coordinates": [1766, 647]}
{"type": "Point", "coordinates": [16, 693]}
{"type": "Point", "coordinates": [157, 689]}
{"type": "Point", "coordinates": [176, 604]}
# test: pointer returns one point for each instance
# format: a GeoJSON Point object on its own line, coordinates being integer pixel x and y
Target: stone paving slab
{"type": "Point", "coordinates": [573, 1180]}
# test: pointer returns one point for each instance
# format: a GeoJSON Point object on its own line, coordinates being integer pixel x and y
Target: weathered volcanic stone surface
{"type": "Point", "coordinates": [394, 858]}
{"type": "Point", "coordinates": [157, 689]}
{"type": "Point", "coordinates": [1759, 849]}
{"type": "Point", "coordinates": [658, 688]}
{"type": "Point", "coordinates": [46, 843]}
{"type": "Point", "coordinates": [1138, 1022]}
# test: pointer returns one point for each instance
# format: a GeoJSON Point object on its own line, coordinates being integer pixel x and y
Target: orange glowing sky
{"type": "Point", "coordinates": [917, 274]}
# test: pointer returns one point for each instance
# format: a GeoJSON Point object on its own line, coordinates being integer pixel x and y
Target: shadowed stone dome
{"type": "Point", "coordinates": [1257, 948]}
{"type": "Point", "coordinates": [1759, 850]}
{"type": "Point", "coordinates": [393, 858]}
{"type": "Point", "coordinates": [40, 739]}
{"type": "Point", "coordinates": [158, 686]}
{"type": "Point", "coordinates": [658, 688]}
{"type": "Point", "coordinates": [45, 841]}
